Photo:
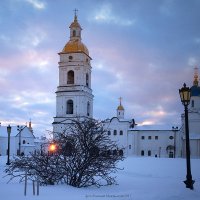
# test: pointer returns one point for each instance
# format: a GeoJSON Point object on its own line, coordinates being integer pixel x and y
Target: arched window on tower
{"type": "Point", "coordinates": [70, 77]}
{"type": "Point", "coordinates": [88, 108]}
{"type": "Point", "coordinates": [74, 33]}
{"type": "Point", "coordinates": [87, 80]}
{"type": "Point", "coordinates": [70, 107]}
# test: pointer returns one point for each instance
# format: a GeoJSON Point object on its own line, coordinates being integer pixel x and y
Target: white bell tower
{"type": "Point", "coordinates": [74, 96]}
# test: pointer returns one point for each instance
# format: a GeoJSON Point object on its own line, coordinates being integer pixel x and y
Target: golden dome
{"type": "Point", "coordinates": [75, 46]}
{"type": "Point", "coordinates": [120, 107]}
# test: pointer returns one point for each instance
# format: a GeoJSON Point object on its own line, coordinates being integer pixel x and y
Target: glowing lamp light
{"type": "Point", "coordinates": [52, 147]}
{"type": "Point", "coordinates": [185, 95]}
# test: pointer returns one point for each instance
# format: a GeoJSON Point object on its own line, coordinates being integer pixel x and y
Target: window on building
{"type": "Point", "coordinates": [156, 137]}
{"type": "Point", "coordinates": [70, 58]}
{"type": "Point", "coordinates": [171, 154]}
{"type": "Point", "coordinates": [171, 137]}
{"type": "Point", "coordinates": [87, 80]}
{"type": "Point", "coordinates": [109, 133]}
{"type": "Point", "coordinates": [149, 137]}
{"type": "Point", "coordinates": [74, 33]}
{"type": "Point", "coordinates": [192, 103]}
{"type": "Point", "coordinates": [88, 108]}
{"type": "Point", "coordinates": [70, 77]}
{"type": "Point", "coordinates": [115, 132]}
{"type": "Point", "coordinates": [149, 153]}
{"type": "Point", "coordinates": [142, 153]}
{"type": "Point", "coordinates": [129, 146]}
{"type": "Point", "coordinates": [121, 132]}
{"type": "Point", "coordinates": [24, 141]}
{"type": "Point", "coordinates": [70, 107]}
{"type": "Point", "coordinates": [142, 137]}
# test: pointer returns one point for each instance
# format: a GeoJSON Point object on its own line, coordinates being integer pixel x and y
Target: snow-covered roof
{"type": "Point", "coordinates": [14, 130]}
{"type": "Point", "coordinates": [125, 120]}
{"type": "Point", "coordinates": [119, 119]}
{"type": "Point", "coordinates": [27, 145]}
{"type": "Point", "coordinates": [153, 128]}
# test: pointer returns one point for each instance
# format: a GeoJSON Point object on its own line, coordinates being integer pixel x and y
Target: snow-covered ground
{"type": "Point", "coordinates": [142, 179]}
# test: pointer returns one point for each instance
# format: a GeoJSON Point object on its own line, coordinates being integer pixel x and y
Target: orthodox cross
{"type": "Point", "coordinates": [120, 100]}
{"type": "Point", "coordinates": [75, 11]}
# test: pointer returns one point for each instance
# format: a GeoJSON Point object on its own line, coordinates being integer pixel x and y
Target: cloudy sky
{"type": "Point", "coordinates": [142, 50]}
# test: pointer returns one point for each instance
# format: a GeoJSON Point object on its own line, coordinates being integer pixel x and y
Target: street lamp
{"type": "Point", "coordinates": [8, 131]}
{"type": "Point", "coordinates": [185, 99]}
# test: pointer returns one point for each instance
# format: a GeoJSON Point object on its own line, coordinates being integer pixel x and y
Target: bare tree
{"type": "Point", "coordinates": [84, 156]}
{"type": "Point", "coordinates": [89, 154]}
{"type": "Point", "coordinates": [36, 165]}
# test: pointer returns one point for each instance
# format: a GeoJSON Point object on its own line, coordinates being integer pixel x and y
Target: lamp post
{"type": "Point", "coordinates": [185, 99]}
{"type": "Point", "coordinates": [8, 131]}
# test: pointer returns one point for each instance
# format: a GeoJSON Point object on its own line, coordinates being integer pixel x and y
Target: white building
{"type": "Point", "coordinates": [74, 98]}
{"type": "Point", "coordinates": [152, 141]}
{"type": "Point", "coordinates": [142, 140]}
{"type": "Point", "coordinates": [21, 140]}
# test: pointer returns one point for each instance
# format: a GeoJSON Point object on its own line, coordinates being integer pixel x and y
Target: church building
{"type": "Point", "coordinates": [74, 99]}
{"type": "Point", "coordinates": [22, 140]}
{"type": "Point", "coordinates": [147, 140]}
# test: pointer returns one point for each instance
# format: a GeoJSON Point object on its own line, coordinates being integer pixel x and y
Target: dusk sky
{"type": "Point", "coordinates": [142, 51]}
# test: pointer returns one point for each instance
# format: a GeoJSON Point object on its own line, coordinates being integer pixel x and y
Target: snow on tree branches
{"type": "Point", "coordinates": [83, 155]}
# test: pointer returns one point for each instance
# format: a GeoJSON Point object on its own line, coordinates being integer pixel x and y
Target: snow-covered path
{"type": "Point", "coordinates": [142, 179]}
